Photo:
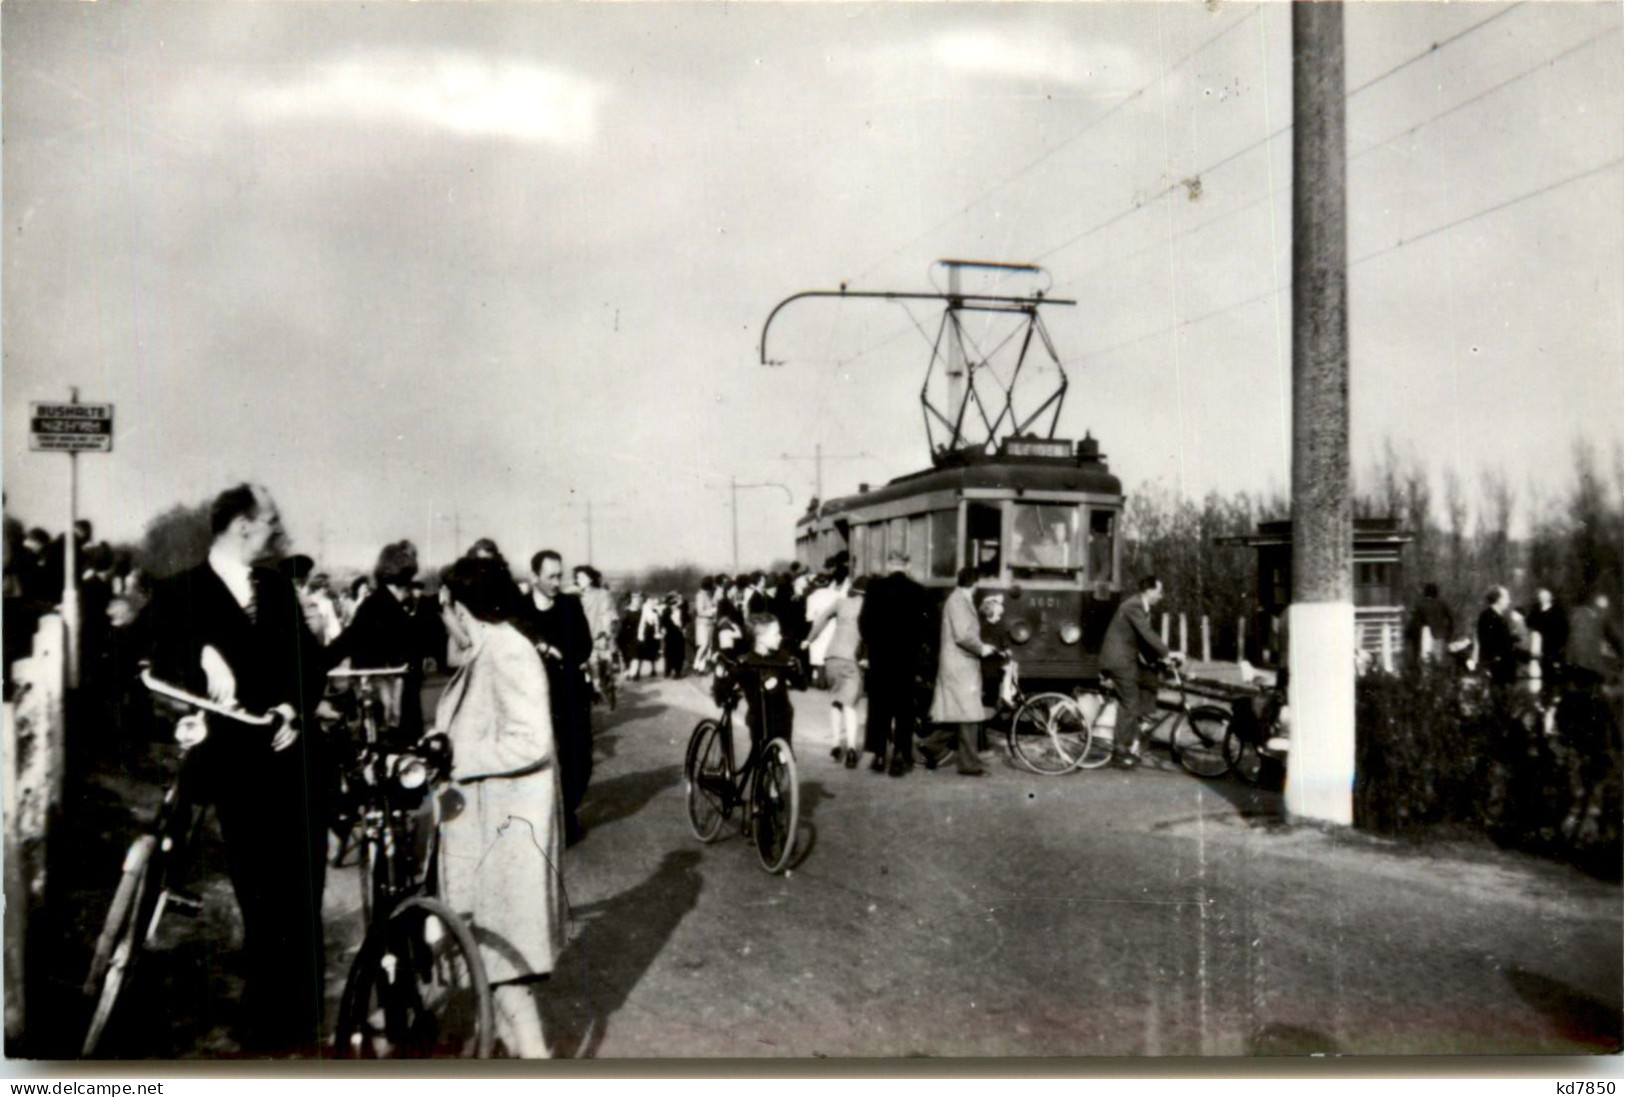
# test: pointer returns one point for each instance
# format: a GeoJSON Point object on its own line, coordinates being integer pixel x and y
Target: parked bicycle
{"type": "Point", "coordinates": [1053, 734]}
{"type": "Point", "coordinates": [360, 727]}
{"type": "Point", "coordinates": [764, 788]}
{"type": "Point", "coordinates": [417, 987]}
{"type": "Point", "coordinates": [1256, 743]}
{"type": "Point", "coordinates": [153, 872]}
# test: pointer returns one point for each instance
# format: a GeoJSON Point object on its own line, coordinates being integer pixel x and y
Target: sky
{"type": "Point", "coordinates": [440, 271]}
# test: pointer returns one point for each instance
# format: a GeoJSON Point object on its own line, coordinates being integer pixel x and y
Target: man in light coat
{"type": "Point", "coordinates": [956, 704]}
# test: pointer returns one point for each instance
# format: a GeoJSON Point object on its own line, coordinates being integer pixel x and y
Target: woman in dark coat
{"type": "Point", "coordinates": [673, 620]}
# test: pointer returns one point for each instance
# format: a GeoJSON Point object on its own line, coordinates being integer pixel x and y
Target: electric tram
{"type": "Point", "coordinates": [1038, 516]}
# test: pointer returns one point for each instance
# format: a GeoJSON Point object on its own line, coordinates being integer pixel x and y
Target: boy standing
{"type": "Point", "coordinates": [766, 676]}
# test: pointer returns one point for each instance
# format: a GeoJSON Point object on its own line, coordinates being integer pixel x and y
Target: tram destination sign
{"type": "Point", "coordinates": [71, 428]}
{"type": "Point", "coordinates": [1037, 447]}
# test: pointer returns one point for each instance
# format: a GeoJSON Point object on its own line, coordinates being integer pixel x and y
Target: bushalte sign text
{"type": "Point", "coordinates": [71, 428]}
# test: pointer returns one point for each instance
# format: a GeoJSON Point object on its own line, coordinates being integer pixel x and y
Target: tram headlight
{"type": "Point", "coordinates": [411, 772]}
{"type": "Point", "coordinates": [1071, 634]}
{"type": "Point", "coordinates": [1021, 632]}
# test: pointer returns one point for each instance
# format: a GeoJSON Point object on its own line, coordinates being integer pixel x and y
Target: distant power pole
{"type": "Point", "coordinates": [818, 457]}
{"type": "Point", "coordinates": [1320, 778]}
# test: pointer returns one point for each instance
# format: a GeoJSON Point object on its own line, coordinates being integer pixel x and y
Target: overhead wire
{"type": "Point", "coordinates": [1261, 142]}
{"type": "Point", "coordinates": [1401, 243]}
{"type": "Point", "coordinates": [1610, 34]}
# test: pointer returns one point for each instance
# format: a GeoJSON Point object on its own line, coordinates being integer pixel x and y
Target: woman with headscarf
{"type": "Point", "coordinates": [503, 824]}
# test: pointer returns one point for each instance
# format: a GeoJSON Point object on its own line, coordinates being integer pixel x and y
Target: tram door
{"type": "Point", "coordinates": [984, 528]}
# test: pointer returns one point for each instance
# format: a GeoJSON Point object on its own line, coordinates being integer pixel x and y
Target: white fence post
{"type": "Point", "coordinates": [1165, 630]}
{"type": "Point", "coordinates": [1241, 639]}
{"type": "Point", "coordinates": [1207, 641]}
{"type": "Point", "coordinates": [35, 734]}
{"type": "Point", "coordinates": [1184, 637]}
{"type": "Point", "coordinates": [1387, 631]}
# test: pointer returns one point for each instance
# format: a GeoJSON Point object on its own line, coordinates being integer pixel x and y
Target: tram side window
{"type": "Point", "coordinates": [984, 530]}
{"type": "Point", "coordinates": [874, 550]}
{"type": "Point", "coordinates": [897, 536]}
{"type": "Point", "coordinates": [944, 526]}
{"type": "Point", "coordinates": [1102, 532]}
{"type": "Point", "coordinates": [919, 563]}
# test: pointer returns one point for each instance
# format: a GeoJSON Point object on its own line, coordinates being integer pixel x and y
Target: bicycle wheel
{"type": "Point", "coordinates": [416, 990]}
{"type": "Point", "coordinates": [1198, 741]}
{"type": "Point", "coordinates": [706, 769]}
{"type": "Point", "coordinates": [1101, 713]}
{"type": "Point", "coordinates": [123, 933]}
{"type": "Point", "coordinates": [1049, 735]}
{"type": "Point", "coordinates": [1241, 754]}
{"type": "Point", "coordinates": [776, 805]}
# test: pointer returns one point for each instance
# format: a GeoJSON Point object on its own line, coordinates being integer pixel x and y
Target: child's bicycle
{"type": "Point", "coordinates": [149, 886]}
{"type": "Point", "coordinates": [765, 786]}
{"type": "Point", "coordinates": [417, 987]}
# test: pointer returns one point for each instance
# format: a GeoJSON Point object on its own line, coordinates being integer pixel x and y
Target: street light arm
{"type": "Point", "coordinates": [788, 497]}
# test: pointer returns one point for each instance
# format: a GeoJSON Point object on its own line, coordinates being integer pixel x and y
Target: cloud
{"type": "Point", "coordinates": [459, 92]}
{"type": "Point", "coordinates": [1040, 57]}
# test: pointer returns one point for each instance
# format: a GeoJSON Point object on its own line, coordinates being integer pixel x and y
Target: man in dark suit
{"type": "Point", "coordinates": [895, 624]}
{"type": "Point", "coordinates": [555, 622]}
{"type": "Point", "coordinates": [1497, 645]}
{"type": "Point", "coordinates": [1129, 658]}
{"type": "Point", "coordinates": [233, 630]}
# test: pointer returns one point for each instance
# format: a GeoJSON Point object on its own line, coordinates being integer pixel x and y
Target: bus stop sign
{"type": "Point", "coordinates": [71, 428]}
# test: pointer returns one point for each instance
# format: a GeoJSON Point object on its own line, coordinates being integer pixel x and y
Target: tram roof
{"type": "Point", "coordinates": [995, 473]}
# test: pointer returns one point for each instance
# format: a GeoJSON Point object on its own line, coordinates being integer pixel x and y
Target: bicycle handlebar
{"type": "Point", "coordinates": [203, 704]}
{"type": "Point", "coordinates": [341, 674]}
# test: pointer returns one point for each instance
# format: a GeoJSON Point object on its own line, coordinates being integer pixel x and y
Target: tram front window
{"type": "Point", "coordinates": [1046, 541]}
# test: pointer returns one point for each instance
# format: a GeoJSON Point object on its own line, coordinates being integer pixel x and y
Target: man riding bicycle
{"type": "Point", "coordinates": [1130, 657]}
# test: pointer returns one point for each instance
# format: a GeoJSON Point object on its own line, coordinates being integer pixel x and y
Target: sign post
{"type": "Point", "coordinates": [72, 428]}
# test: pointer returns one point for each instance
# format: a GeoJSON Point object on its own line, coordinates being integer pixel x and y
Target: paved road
{"type": "Point", "coordinates": [1104, 913]}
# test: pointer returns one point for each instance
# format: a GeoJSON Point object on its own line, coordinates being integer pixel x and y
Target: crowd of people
{"type": "Point", "coordinates": [254, 626]}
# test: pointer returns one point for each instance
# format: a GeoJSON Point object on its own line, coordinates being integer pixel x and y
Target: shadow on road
{"type": "Point", "coordinates": [813, 793]}
{"type": "Point", "coordinates": [624, 796]}
{"type": "Point", "coordinates": [621, 938]}
{"type": "Point", "coordinates": [1572, 1014]}
{"type": "Point", "coordinates": [1257, 806]}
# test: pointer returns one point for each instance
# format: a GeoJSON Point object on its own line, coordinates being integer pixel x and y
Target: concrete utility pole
{"type": "Point", "coordinates": [956, 353]}
{"type": "Point", "coordinates": [71, 615]}
{"type": "Point", "coordinates": [1320, 776]}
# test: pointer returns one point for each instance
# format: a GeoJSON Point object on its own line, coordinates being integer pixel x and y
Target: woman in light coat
{"type": "Point", "coordinates": [956, 704]}
{"type": "Point", "coordinates": [501, 840]}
